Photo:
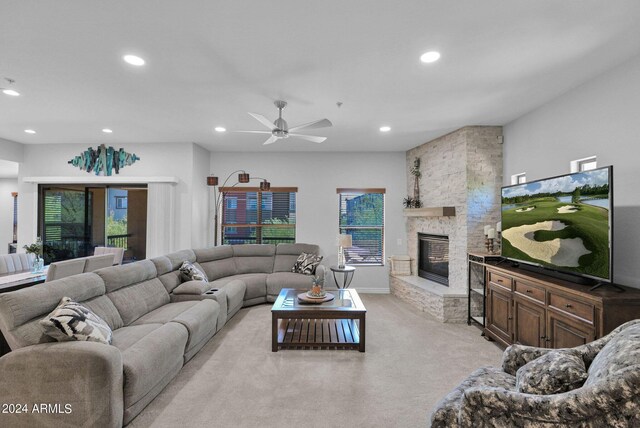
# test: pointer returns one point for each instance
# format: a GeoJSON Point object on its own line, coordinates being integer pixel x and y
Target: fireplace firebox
{"type": "Point", "coordinates": [433, 257]}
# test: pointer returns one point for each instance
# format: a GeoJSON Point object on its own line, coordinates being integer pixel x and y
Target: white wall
{"type": "Point", "coordinates": [7, 185]}
{"type": "Point", "coordinates": [317, 176]}
{"type": "Point", "coordinates": [158, 159]}
{"type": "Point", "coordinates": [11, 151]}
{"type": "Point", "coordinates": [599, 118]}
{"type": "Point", "coordinates": [201, 217]}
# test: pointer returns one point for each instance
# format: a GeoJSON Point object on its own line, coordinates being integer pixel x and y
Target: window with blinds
{"type": "Point", "coordinates": [250, 216]}
{"type": "Point", "coordinates": [362, 216]}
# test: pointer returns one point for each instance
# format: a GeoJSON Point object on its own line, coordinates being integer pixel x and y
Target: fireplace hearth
{"type": "Point", "coordinates": [433, 258]}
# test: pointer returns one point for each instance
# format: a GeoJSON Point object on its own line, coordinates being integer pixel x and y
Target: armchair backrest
{"type": "Point", "coordinates": [16, 262]}
{"type": "Point", "coordinates": [65, 268]}
{"type": "Point", "coordinates": [620, 352]}
{"type": "Point", "coordinates": [118, 253]}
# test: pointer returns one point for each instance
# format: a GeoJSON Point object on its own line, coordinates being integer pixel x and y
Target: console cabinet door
{"type": "Point", "coordinates": [566, 332]}
{"type": "Point", "coordinates": [529, 324]}
{"type": "Point", "coordinates": [499, 316]}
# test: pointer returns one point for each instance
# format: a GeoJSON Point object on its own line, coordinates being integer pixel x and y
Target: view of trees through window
{"type": "Point", "coordinates": [362, 217]}
{"type": "Point", "coordinates": [254, 217]}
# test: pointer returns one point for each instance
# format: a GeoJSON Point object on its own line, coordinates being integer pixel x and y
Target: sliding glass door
{"type": "Point", "coordinates": [74, 219]}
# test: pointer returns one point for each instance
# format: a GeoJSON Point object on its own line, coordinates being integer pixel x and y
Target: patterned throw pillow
{"type": "Point", "coordinates": [306, 264]}
{"type": "Point", "coordinates": [553, 373]}
{"type": "Point", "coordinates": [191, 272]}
{"type": "Point", "coordinates": [72, 321]}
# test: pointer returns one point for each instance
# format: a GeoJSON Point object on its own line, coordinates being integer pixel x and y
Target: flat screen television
{"type": "Point", "coordinates": [563, 224]}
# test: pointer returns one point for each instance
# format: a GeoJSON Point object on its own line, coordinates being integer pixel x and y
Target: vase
{"type": "Point", "coordinates": [38, 265]}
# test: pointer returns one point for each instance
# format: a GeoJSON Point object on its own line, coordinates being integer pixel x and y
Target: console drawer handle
{"type": "Point", "coordinates": [568, 305]}
{"type": "Point", "coordinates": [500, 281]}
{"type": "Point", "coordinates": [529, 291]}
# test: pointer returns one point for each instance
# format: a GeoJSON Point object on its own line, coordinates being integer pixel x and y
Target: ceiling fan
{"type": "Point", "coordinates": [280, 129]}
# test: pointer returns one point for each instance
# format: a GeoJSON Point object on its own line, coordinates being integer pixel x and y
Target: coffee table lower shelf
{"type": "Point", "coordinates": [296, 333]}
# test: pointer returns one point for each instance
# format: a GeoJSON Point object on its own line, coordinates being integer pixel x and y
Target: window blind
{"type": "Point", "coordinates": [254, 217]}
{"type": "Point", "coordinates": [361, 215]}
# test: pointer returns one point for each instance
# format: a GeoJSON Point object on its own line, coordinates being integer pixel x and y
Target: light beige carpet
{"type": "Point", "coordinates": [411, 362]}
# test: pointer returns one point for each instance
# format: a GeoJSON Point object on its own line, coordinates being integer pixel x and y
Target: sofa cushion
{"type": "Point", "coordinates": [21, 310]}
{"type": "Point", "coordinates": [148, 361]}
{"type": "Point", "coordinates": [73, 321]}
{"type": "Point", "coordinates": [235, 292]}
{"type": "Point", "coordinates": [192, 287]}
{"type": "Point", "coordinates": [254, 258]}
{"type": "Point", "coordinates": [553, 373]}
{"type": "Point", "coordinates": [199, 317]}
{"type": "Point", "coordinates": [179, 257]}
{"type": "Point", "coordinates": [287, 254]}
{"type": "Point", "coordinates": [306, 264]}
{"type": "Point", "coordinates": [171, 280]}
{"type": "Point", "coordinates": [116, 277]}
{"type": "Point", "coordinates": [103, 307]}
{"type": "Point", "coordinates": [256, 284]}
{"type": "Point", "coordinates": [622, 351]}
{"type": "Point", "coordinates": [139, 299]}
{"type": "Point", "coordinates": [192, 272]}
{"type": "Point", "coordinates": [279, 280]}
{"type": "Point", "coordinates": [125, 337]}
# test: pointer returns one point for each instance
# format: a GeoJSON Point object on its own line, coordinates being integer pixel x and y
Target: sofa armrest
{"type": "Point", "coordinates": [192, 287]}
{"type": "Point", "coordinates": [320, 271]}
{"type": "Point", "coordinates": [63, 384]}
{"type": "Point", "coordinates": [516, 356]}
{"type": "Point", "coordinates": [612, 399]}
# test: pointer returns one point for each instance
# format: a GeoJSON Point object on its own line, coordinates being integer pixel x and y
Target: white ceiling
{"type": "Point", "coordinates": [209, 63]}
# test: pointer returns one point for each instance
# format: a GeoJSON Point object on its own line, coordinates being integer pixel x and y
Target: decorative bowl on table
{"type": "Point", "coordinates": [316, 292]}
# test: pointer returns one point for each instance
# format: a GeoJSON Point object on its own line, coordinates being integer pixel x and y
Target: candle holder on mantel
{"type": "Point", "coordinates": [488, 243]}
{"type": "Point", "coordinates": [490, 234]}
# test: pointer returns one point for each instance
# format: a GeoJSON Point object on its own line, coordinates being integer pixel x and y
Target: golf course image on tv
{"type": "Point", "coordinates": [561, 223]}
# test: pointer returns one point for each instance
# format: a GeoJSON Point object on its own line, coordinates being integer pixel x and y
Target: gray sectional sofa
{"type": "Point", "coordinates": [159, 323]}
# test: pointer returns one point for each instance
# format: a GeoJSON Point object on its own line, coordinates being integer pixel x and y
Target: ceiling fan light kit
{"type": "Point", "coordinates": [279, 129]}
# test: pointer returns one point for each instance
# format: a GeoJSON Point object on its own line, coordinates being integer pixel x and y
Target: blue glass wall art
{"type": "Point", "coordinates": [103, 160]}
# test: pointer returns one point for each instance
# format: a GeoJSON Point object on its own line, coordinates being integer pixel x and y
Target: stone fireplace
{"type": "Point", "coordinates": [461, 176]}
{"type": "Point", "coordinates": [433, 258]}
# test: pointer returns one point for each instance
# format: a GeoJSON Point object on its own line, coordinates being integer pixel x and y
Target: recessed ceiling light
{"type": "Point", "coordinates": [133, 60]}
{"type": "Point", "coordinates": [107, 131]}
{"type": "Point", "coordinates": [10, 92]}
{"type": "Point", "coordinates": [385, 128]}
{"type": "Point", "coordinates": [29, 131]}
{"type": "Point", "coordinates": [431, 56]}
{"type": "Point", "coordinates": [220, 129]}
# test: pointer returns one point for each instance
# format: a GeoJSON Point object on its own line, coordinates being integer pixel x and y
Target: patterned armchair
{"type": "Point", "coordinates": [610, 395]}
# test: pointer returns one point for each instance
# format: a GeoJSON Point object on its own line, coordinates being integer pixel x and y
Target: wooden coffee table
{"type": "Point", "coordinates": [337, 324]}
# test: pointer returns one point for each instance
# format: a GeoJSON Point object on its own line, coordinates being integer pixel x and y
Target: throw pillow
{"type": "Point", "coordinates": [72, 321]}
{"type": "Point", "coordinates": [306, 263]}
{"type": "Point", "coordinates": [553, 373]}
{"type": "Point", "coordinates": [191, 272]}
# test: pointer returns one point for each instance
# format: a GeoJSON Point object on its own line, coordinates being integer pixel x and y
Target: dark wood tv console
{"type": "Point", "coordinates": [537, 310]}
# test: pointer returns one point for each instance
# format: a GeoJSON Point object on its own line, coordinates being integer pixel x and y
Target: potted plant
{"type": "Point", "coordinates": [36, 250]}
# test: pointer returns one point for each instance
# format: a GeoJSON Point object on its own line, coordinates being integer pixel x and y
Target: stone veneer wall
{"type": "Point", "coordinates": [461, 169]}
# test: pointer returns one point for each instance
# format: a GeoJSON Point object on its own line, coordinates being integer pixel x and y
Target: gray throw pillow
{"type": "Point", "coordinates": [553, 373]}
{"type": "Point", "coordinates": [306, 263]}
{"type": "Point", "coordinates": [191, 272]}
{"type": "Point", "coordinates": [72, 321]}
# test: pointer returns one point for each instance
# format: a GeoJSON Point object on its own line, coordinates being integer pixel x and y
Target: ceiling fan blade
{"type": "Point", "coordinates": [322, 123]}
{"type": "Point", "coordinates": [263, 120]}
{"type": "Point", "coordinates": [271, 140]}
{"type": "Point", "coordinates": [309, 138]}
{"type": "Point", "coordinates": [254, 132]}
